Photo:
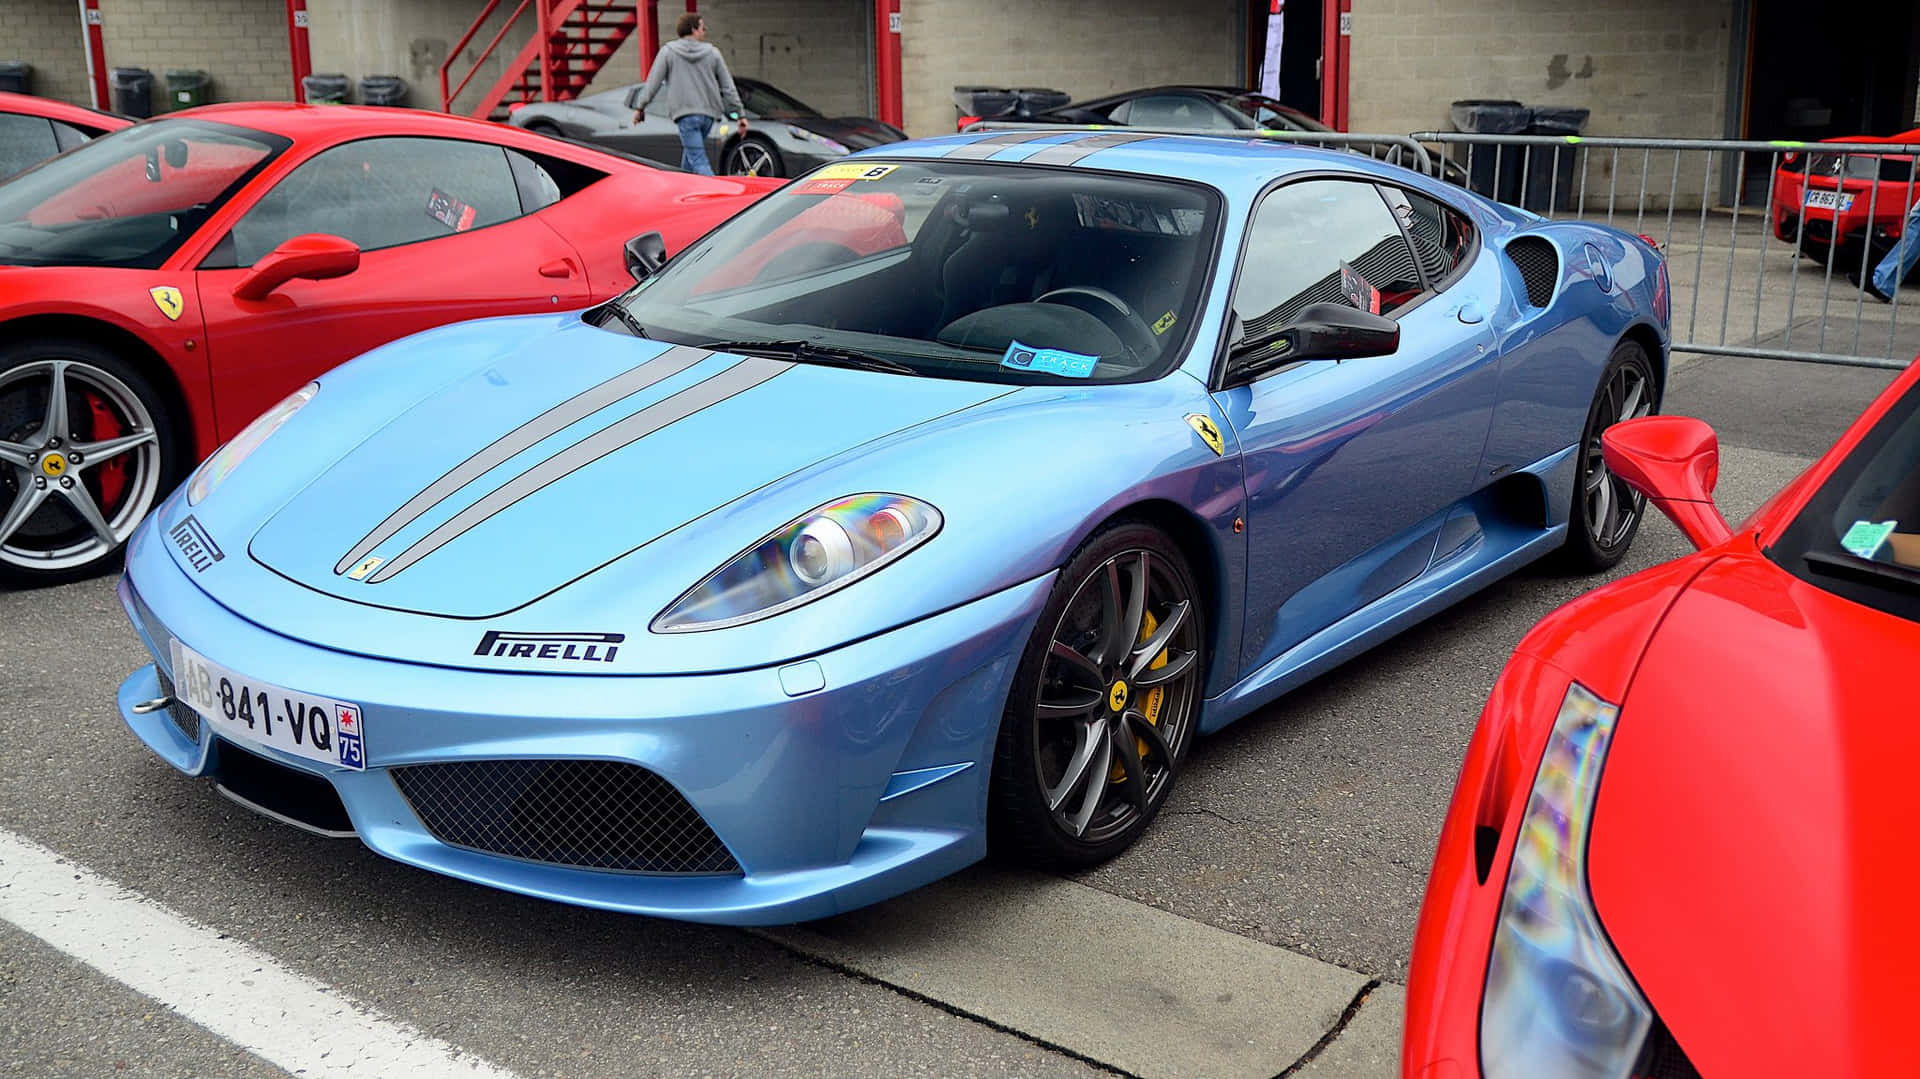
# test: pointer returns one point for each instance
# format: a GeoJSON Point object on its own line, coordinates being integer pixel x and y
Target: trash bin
{"type": "Point", "coordinates": [326, 89]}
{"type": "Point", "coordinates": [1032, 99]}
{"type": "Point", "coordinates": [16, 76]}
{"type": "Point", "coordinates": [132, 92]}
{"type": "Point", "coordinates": [984, 102]}
{"type": "Point", "coordinates": [1550, 169]}
{"type": "Point", "coordinates": [383, 90]}
{"type": "Point", "coordinates": [1493, 171]}
{"type": "Point", "coordinates": [187, 88]}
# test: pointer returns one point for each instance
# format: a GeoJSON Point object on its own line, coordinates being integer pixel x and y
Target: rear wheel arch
{"type": "Point", "coordinates": [1645, 336]}
{"type": "Point", "coordinates": [123, 343]}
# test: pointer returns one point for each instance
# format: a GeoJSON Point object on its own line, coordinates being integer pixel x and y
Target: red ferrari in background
{"type": "Point", "coordinates": [33, 129]}
{"type": "Point", "coordinates": [1860, 198]}
{"type": "Point", "coordinates": [1681, 843]}
{"type": "Point", "coordinates": [162, 286]}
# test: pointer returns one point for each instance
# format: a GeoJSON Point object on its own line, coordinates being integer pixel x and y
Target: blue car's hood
{"type": "Point", "coordinates": [566, 451]}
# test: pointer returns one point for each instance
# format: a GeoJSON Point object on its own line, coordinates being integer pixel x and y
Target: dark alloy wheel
{"type": "Point", "coordinates": [752, 157]}
{"type": "Point", "coordinates": [1103, 706]}
{"type": "Point", "coordinates": [86, 451]}
{"type": "Point", "coordinates": [1606, 512]}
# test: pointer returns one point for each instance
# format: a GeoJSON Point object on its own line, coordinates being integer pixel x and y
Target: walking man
{"type": "Point", "coordinates": [696, 89]}
{"type": "Point", "coordinates": [1893, 269]}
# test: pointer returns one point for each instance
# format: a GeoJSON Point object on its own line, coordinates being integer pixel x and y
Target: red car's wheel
{"type": "Point", "coordinates": [87, 449]}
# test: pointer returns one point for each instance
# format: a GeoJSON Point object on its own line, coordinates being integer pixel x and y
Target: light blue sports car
{"type": "Point", "coordinates": [934, 504]}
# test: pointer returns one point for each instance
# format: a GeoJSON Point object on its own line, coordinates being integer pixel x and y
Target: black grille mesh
{"type": "Point", "coordinates": [183, 717]}
{"type": "Point", "coordinates": [1661, 1058]}
{"type": "Point", "coordinates": [590, 814]}
{"type": "Point", "coordinates": [1539, 267]}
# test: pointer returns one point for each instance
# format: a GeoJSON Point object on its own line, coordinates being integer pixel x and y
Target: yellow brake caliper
{"type": "Point", "coordinates": [1155, 698]}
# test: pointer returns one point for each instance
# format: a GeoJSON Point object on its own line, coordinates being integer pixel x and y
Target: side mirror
{"type": "Point", "coordinates": [1674, 461]}
{"type": "Point", "coordinates": [313, 257]}
{"type": "Point", "coordinates": [646, 253]}
{"type": "Point", "coordinates": [1323, 331]}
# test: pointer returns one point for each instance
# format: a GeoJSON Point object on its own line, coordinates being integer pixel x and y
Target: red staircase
{"type": "Point", "coordinates": [571, 41]}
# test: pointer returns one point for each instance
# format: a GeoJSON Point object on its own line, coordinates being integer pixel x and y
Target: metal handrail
{"type": "Point", "coordinates": [1398, 143]}
{"type": "Point", "coordinates": [1623, 142]}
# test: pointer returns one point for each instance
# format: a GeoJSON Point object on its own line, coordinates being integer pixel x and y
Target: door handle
{"type": "Point", "coordinates": [561, 267]}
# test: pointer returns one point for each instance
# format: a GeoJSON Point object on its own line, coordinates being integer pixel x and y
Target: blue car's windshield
{"type": "Point", "coordinates": [958, 269]}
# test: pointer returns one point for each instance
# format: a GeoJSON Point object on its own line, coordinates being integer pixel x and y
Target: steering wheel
{"type": "Point", "coordinates": [1113, 312]}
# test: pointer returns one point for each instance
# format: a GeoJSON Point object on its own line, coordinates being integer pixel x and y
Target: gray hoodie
{"type": "Point", "coordinates": [691, 79]}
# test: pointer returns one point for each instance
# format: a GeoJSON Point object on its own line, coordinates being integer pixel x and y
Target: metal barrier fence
{"type": "Point", "coordinates": [1826, 214]}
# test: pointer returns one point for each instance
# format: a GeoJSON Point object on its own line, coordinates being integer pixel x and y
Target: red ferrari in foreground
{"type": "Point", "coordinates": [1681, 843]}
{"type": "Point", "coordinates": [162, 286]}
{"type": "Point", "coordinates": [33, 129]}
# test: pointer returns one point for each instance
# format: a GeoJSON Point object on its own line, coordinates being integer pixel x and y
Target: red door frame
{"type": "Point", "coordinates": [298, 49]}
{"type": "Point", "coordinates": [888, 96]}
{"type": "Point", "coordinates": [96, 46]}
{"type": "Point", "coordinates": [1336, 38]}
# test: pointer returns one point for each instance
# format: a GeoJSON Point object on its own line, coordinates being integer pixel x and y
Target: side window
{"type": "Point", "coordinates": [1442, 237]}
{"type": "Point", "coordinates": [69, 136]}
{"type": "Point", "coordinates": [25, 141]}
{"type": "Point", "coordinates": [1322, 241]}
{"type": "Point", "coordinates": [379, 193]}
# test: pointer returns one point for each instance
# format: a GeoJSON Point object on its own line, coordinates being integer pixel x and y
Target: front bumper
{"type": "Point", "coordinates": [828, 799]}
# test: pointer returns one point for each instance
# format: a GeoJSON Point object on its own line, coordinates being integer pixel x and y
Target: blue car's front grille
{"type": "Point", "coordinates": [585, 814]}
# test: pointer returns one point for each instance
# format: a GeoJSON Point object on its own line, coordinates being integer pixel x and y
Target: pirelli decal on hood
{"type": "Point", "coordinates": [736, 379]}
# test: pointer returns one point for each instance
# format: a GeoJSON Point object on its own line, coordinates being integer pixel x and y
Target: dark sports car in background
{"type": "Point", "coordinates": [1206, 108]}
{"type": "Point", "coordinates": [784, 136]}
{"type": "Point", "coordinates": [33, 129]}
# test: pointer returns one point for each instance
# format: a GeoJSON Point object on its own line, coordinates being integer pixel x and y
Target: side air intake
{"type": "Point", "coordinates": [1539, 267]}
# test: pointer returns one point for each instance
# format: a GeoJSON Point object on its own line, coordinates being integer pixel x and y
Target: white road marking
{"type": "Point", "coordinates": [237, 992]}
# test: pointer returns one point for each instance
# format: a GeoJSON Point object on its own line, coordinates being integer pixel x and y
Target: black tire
{"type": "Point", "coordinates": [743, 156]}
{"type": "Point", "coordinates": [1036, 754]}
{"type": "Point", "coordinates": [1594, 546]}
{"type": "Point", "coordinates": [109, 402]}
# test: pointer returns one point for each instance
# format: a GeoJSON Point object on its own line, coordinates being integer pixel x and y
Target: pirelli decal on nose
{"type": "Point", "coordinates": [572, 647]}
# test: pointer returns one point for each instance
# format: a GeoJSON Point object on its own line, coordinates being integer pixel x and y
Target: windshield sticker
{"type": "Point", "coordinates": [1358, 290]}
{"type": "Point", "coordinates": [450, 211]}
{"type": "Point", "coordinates": [167, 299]}
{"type": "Point", "coordinates": [1052, 361]}
{"type": "Point", "coordinates": [1866, 537]}
{"type": "Point", "coordinates": [1164, 323]}
{"type": "Point", "coordinates": [823, 187]}
{"type": "Point", "coordinates": [853, 170]}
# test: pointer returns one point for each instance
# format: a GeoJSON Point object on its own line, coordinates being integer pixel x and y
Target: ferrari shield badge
{"type": "Point", "coordinates": [1208, 433]}
{"type": "Point", "coordinates": [167, 299]}
{"type": "Point", "coordinates": [368, 565]}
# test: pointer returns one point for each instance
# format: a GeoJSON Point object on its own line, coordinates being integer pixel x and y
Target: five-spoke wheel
{"type": "Point", "coordinates": [1104, 704]}
{"type": "Point", "coordinates": [751, 157]}
{"type": "Point", "coordinates": [83, 458]}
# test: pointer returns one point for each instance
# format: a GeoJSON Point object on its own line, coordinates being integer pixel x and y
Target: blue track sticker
{"type": "Point", "coordinates": [1051, 361]}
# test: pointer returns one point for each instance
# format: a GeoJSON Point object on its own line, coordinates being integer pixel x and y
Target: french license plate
{"type": "Point", "coordinates": [248, 710]}
{"type": "Point", "coordinates": [1829, 200]}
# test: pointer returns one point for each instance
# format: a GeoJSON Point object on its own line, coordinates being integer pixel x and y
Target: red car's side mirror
{"type": "Point", "coordinates": [1674, 461]}
{"type": "Point", "coordinates": [313, 257]}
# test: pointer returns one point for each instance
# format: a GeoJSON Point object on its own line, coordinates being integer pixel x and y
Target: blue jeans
{"type": "Point", "coordinates": [1899, 262]}
{"type": "Point", "coordinates": [693, 144]}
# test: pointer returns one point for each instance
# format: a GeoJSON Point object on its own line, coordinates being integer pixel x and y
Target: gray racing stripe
{"type": "Point", "coordinates": [1068, 153]}
{"type": "Point", "coordinates": [739, 378]}
{"type": "Point", "coordinates": [993, 144]}
{"type": "Point", "coordinates": [552, 421]}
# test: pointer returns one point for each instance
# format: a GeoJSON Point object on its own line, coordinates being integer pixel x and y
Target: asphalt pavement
{"type": "Point", "coordinates": [1261, 928]}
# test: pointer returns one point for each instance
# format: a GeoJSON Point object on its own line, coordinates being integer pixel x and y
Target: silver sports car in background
{"type": "Point", "coordinates": [784, 136]}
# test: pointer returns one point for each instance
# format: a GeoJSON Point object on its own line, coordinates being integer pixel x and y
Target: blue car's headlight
{"type": "Point", "coordinates": [817, 553]}
{"type": "Point", "coordinates": [228, 457]}
{"type": "Point", "coordinates": [1558, 1001]}
{"type": "Point", "coordinates": [804, 135]}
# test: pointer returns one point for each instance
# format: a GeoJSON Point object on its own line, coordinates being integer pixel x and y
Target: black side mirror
{"type": "Point", "coordinates": [1323, 331]}
{"type": "Point", "coordinates": [646, 253]}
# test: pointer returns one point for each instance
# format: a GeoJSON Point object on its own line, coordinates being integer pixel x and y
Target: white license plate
{"type": "Point", "coordinates": [249, 710]}
{"type": "Point", "coordinates": [1829, 200]}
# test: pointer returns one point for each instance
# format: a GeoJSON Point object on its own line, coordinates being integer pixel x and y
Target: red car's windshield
{"type": "Point", "coordinates": [1859, 536]}
{"type": "Point", "coordinates": [129, 199]}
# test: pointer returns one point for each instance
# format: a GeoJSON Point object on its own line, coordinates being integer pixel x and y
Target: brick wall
{"type": "Point", "coordinates": [46, 34]}
{"type": "Point", "coordinates": [241, 44]}
{"type": "Point", "coordinates": [1084, 47]}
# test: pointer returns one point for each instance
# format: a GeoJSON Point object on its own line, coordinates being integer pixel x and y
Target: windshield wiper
{"type": "Point", "coordinates": [625, 319]}
{"type": "Point", "coordinates": [811, 352]}
{"type": "Point", "coordinates": [1886, 574]}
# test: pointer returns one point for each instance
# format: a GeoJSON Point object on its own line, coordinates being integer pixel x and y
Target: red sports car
{"type": "Point", "coordinates": [33, 129]}
{"type": "Point", "coordinates": [162, 286]}
{"type": "Point", "coordinates": [1681, 843]}
{"type": "Point", "coordinates": [1860, 198]}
